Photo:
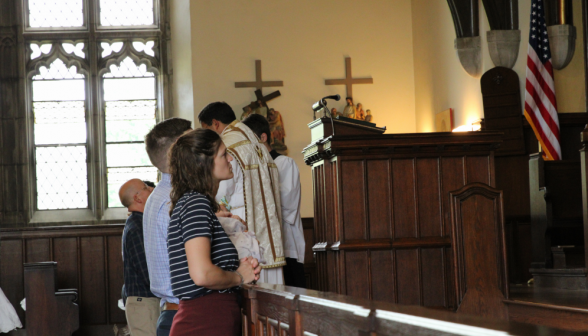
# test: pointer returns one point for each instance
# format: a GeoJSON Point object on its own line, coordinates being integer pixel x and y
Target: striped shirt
{"type": "Point", "coordinates": [192, 217]}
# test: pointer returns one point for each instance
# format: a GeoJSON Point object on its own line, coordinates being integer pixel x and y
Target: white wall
{"type": "Point", "coordinates": [303, 43]}
{"type": "Point", "coordinates": [181, 34]}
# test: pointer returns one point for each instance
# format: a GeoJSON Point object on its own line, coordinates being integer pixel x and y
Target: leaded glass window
{"type": "Point", "coordinates": [130, 107]}
{"type": "Point", "coordinates": [94, 91]}
{"type": "Point", "coordinates": [60, 137]}
{"type": "Point", "coordinates": [55, 13]}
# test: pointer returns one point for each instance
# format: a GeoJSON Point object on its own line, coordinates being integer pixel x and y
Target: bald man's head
{"type": "Point", "coordinates": [133, 194]}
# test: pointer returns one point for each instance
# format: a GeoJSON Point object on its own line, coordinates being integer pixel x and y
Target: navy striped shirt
{"type": "Point", "coordinates": [192, 217]}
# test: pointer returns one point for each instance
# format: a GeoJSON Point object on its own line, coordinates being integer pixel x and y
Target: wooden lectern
{"type": "Point", "coordinates": [383, 222]}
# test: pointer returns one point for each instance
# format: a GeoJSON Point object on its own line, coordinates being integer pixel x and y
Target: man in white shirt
{"type": "Point", "coordinates": [292, 231]}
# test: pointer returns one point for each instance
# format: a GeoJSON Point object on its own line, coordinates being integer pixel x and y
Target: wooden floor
{"type": "Point", "coordinates": [564, 309]}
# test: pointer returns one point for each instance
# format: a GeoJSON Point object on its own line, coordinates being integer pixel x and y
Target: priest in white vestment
{"type": "Point", "coordinates": [292, 230]}
{"type": "Point", "coordinates": [253, 193]}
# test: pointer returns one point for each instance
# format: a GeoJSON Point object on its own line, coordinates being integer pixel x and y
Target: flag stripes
{"type": "Point", "coordinates": [540, 102]}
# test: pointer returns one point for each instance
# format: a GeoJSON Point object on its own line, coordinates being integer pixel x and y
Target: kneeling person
{"type": "Point", "coordinates": [142, 307]}
{"type": "Point", "coordinates": [292, 231]}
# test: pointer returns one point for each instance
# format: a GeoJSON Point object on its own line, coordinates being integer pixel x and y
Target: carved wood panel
{"type": "Point", "coordinates": [88, 259]}
{"type": "Point", "coordinates": [479, 250]}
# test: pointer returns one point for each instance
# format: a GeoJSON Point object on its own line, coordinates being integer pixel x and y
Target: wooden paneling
{"type": "Point", "coordinates": [93, 285]}
{"type": "Point", "coordinates": [378, 182]}
{"type": "Point", "coordinates": [352, 174]}
{"type": "Point", "coordinates": [88, 259]}
{"type": "Point", "coordinates": [477, 170]}
{"type": "Point", "coordinates": [358, 274]}
{"type": "Point", "coordinates": [115, 279]}
{"type": "Point", "coordinates": [382, 275]}
{"type": "Point", "coordinates": [429, 210]}
{"type": "Point", "coordinates": [407, 277]}
{"type": "Point", "coordinates": [38, 250]}
{"type": "Point", "coordinates": [433, 277]}
{"type": "Point", "coordinates": [66, 255]}
{"type": "Point", "coordinates": [404, 198]}
{"type": "Point", "coordinates": [479, 250]}
{"type": "Point", "coordinates": [452, 178]}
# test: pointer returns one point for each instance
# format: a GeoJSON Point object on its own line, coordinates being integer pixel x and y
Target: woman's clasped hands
{"type": "Point", "coordinates": [249, 268]}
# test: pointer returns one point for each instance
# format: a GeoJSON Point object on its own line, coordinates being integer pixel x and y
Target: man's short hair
{"type": "Point", "coordinates": [219, 111]}
{"type": "Point", "coordinates": [162, 136]}
{"type": "Point", "coordinates": [259, 125]}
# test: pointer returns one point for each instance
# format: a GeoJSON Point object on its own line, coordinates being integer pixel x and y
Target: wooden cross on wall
{"type": "Point", "coordinates": [348, 81]}
{"type": "Point", "coordinates": [259, 84]}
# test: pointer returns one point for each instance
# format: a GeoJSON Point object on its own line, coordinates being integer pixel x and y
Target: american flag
{"type": "Point", "coordinates": [540, 103]}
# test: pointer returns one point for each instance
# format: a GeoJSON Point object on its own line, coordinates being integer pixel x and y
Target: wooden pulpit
{"type": "Point", "coordinates": [382, 214]}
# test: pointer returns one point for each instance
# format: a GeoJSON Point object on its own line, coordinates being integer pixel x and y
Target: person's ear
{"type": "Point", "coordinates": [215, 124]}
{"type": "Point", "coordinates": [263, 137]}
{"type": "Point", "coordinates": [137, 199]}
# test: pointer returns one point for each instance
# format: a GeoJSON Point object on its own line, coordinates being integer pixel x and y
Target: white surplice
{"type": "Point", "coordinates": [292, 230]}
{"type": "Point", "coordinates": [8, 318]}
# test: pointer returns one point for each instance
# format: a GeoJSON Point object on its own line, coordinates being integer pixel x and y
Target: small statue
{"type": "Point", "coordinates": [368, 116]}
{"type": "Point", "coordinates": [359, 113]}
{"type": "Point", "coordinates": [349, 111]}
{"type": "Point", "coordinates": [334, 113]}
{"type": "Point", "coordinates": [278, 133]}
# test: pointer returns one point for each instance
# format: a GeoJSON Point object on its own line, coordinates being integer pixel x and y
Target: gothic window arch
{"type": "Point", "coordinates": [95, 81]}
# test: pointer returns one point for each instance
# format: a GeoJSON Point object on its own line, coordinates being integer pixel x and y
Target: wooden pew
{"type": "Point", "coordinates": [50, 312]}
{"type": "Point", "coordinates": [280, 310]}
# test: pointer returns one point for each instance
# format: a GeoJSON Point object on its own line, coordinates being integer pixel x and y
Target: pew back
{"type": "Point", "coordinates": [281, 310]}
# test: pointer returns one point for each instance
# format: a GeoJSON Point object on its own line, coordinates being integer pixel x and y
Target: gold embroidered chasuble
{"type": "Point", "coordinates": [261, 190]}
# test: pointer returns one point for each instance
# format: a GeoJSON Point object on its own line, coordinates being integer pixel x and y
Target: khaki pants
{"type": "Point", "coordinates": [142, 314]}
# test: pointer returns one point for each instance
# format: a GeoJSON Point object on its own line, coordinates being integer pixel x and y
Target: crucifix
{"type": "Point", "coordinates": [261, 99]}
{"type": "Point", "coordinates": [259, 84]}
{"type": "Point", "coordinates": [348, 81]}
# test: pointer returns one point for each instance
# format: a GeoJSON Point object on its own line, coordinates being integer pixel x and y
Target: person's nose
{"type": "Point", "coordinates": [229, 157]}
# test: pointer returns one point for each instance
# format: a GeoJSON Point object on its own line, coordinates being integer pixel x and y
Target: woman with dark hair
{"type": "Point", "coordinates": [204, 265]}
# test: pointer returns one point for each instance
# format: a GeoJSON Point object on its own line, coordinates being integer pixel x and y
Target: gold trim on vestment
{"type": "Point", "coordinates": [240, 143]}
{"type": "Point", "coordinates": [281, 263]}
{"type": "Point", "coordinates": [272, 165]}
{"type": "Point", "coordinates": [267, 220]}
{"type": "Point", "coordinates": [250, 167]}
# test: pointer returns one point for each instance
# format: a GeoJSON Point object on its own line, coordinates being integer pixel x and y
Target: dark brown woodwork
{"type": "Point", "coordinates": [479, 250]}
{"type": "Point", "coordinates": [88, 259]}
{"type": "Point", "coordinates": [502, 109]}
{"type": "Point", "coordinates": [280, 310]}
{"type": "Point", "coordinates": [50, 312]}
{"type": "Point", "coordinates": [383, 226]}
